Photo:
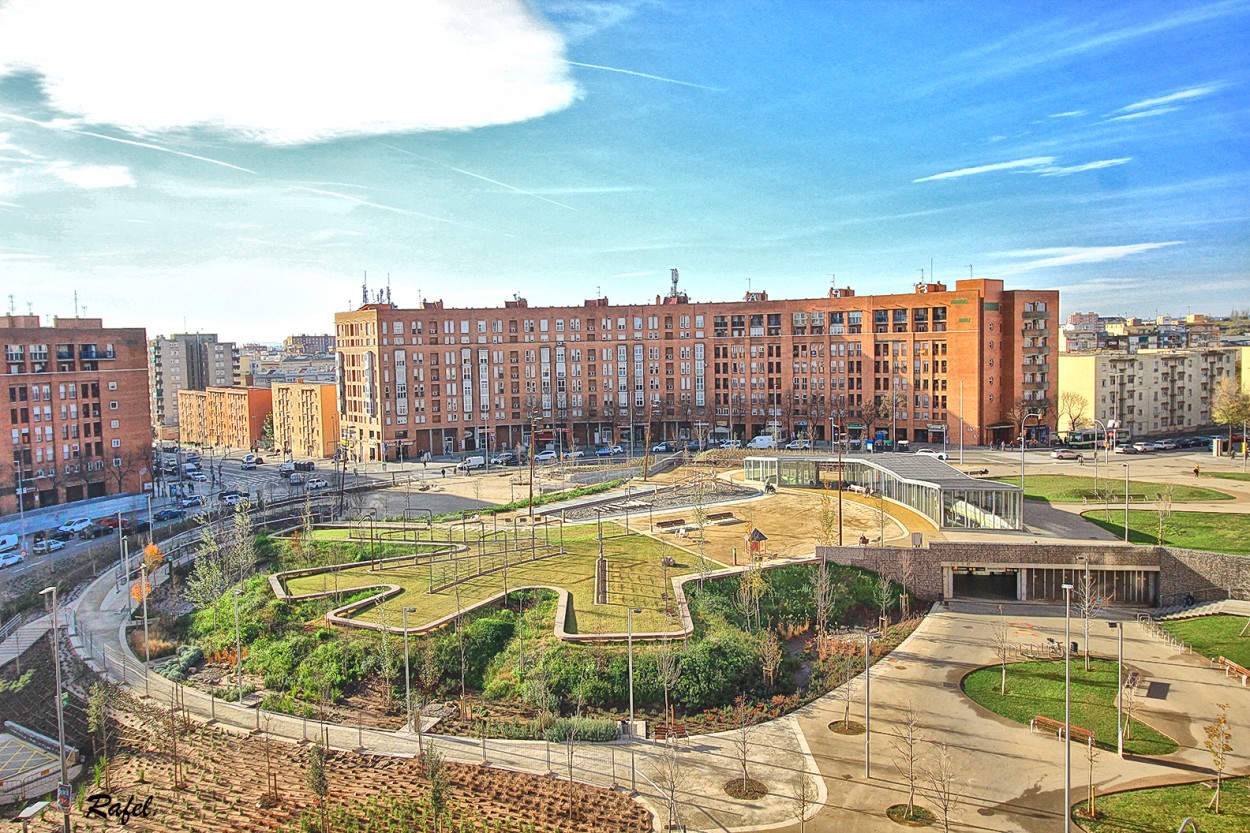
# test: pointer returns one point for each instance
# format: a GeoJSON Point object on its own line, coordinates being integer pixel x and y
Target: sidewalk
{"type": "Point", "coordinates": [21, 639]}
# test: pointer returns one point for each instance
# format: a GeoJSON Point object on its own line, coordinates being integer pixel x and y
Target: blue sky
{"type": "Point", "coordinates": [240, 167]}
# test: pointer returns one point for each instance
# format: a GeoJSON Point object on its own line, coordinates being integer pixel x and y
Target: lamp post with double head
{"type": "Point", "coordinates": [868, 637]}
{"type": "Point", "coordinates": [1125, 502]}
{"type": "Point", "coordinates": [407, 673]}
{"type": "Point", "coordinates": [629, 636]}
{"type": "Point", "coordinates": [1119, 688]}
{"type": "Point", "coordinates": [60, 706]}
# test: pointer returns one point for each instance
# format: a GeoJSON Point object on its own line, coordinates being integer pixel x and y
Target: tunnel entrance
{"type": "Point", "coordinates": [982, 583]}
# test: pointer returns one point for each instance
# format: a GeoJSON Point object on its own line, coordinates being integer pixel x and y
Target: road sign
{"type": "Point", "coordinates": [63, 797]}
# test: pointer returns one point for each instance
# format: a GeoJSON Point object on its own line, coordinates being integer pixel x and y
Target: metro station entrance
{"type": "Point", "coordinates": [998, 583]}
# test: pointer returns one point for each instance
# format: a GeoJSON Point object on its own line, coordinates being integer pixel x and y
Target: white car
{"type": "Point", "coordinates": [1066, 454]}
{"type": "Point", "coordinates": [933, 452]}
{"type": "Point", "coordinates": [48, 545]}
{"type": "Point", "coordinates": [1143, 447]}
{"type": "Point", "coordinates": [731, 444]}
{"type": "Point", "coordinates": [799, 445]}
{"type": "Point", "coordinates": [11, 558]}
{"type": "Point", "coordinates": [1165, 445]}
{"type": "Point", "coordinates": [317, 483]}
{"type": "Point", "coordinates": [232, 500]}
{"type": "Point", "coordinates": [544, 456]}
{"type": "Point", "coordinates": [576, 454]}
{"type": "Point", "coordinates": [198, 477]}
{"type": "Point", "coordinates": [73, 527]}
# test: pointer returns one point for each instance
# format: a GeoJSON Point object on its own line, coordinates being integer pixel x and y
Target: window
{"type": "Point", "coordinates": [117, 443]}
{"type": "Point", "coordinates": [116, 423]}
{"type": "Point", "coordinates": [113, 405]}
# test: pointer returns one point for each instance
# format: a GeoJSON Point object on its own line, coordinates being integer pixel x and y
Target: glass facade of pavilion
{"type": "Point", "coordinates": [942, 494]}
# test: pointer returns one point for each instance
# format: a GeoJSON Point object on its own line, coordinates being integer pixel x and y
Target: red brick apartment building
{"type": "Point", "coordinates": [911, 365]}
{"type": "Point", "coordinates": [78, 411]}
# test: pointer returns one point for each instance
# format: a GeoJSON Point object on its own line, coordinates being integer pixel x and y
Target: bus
{"type": "Point", "coordinates": [1082, 439]}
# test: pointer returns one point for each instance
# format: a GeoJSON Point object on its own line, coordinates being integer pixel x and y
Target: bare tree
{"type": "Point", "coordinates": [906, 578]}
{"type": "Point", "coordinates": [668, 774]}
{"type": "Point", "coordinates": [751, 588]}
{"type": "Point", "coordinates": [846, 696]}
{"type": "Point", "coordinates": [827, 522]}
{"type": "Point", "coordinates": [388, 659]}
{"type": "Point", "coordinates": [805, 795]}
{"type": "Point", "coordinates": [883, 594]}
{"type": "Point", "coordinates": [99, 720]}
{"type": "Point", "coordinates": [668, 669]}
{"type": "Point", "coordinates": [942, 778]}
{"type": "Point", "coordinates": [1129, 700]}
{"type": "Point", "coordinates": [1219, 744]}
{"type": "Point", "coordinates": [1091, 757]}
{"type": "Point", "coordinates": [318, 784]}
{"type": "Point", "coordinates": [908, 751]}
{"type": "Point", "coordinates": [1163, 505]}
{"type": "Point", "coordinates": [1000, 639]}
{"type": "Point", "coordinates": [1074, 408]}
{"type": "Point", "coordinates": [1089, 604]}
{"type": "Point", "coordinates": [770, 657]}
{"type": "Point", "coordinates": [743, 731]}
{"type": "Point", "coordinates": [823, 596]}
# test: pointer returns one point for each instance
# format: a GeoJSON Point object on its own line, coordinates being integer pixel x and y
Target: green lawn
{"type": "Point", "coordinates": [1228, 475]}
{"type": "Point", "coordinates": [1212, 531]}
{"type": "Point", "coordinates": [1161, 809]}
{"type": "Point", "coordinates": [1214, 636]}
{"type": "Point", "coordinates": [1067, 488]}
{"type": "Point", "coordinates": [1036, 688]}
{"type": "Point", "coordinates": [636, 579]}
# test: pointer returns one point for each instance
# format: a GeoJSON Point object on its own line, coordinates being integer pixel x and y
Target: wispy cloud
{"type": "Point", "coordinates": [645, 75]}
{"type": "Point", "coordinates": [1143, 114]}
{"type": "Point", "coordinates": [384, 207]}
{"type": "Point", "coordinates": [388, 67]}
{"type": "Point", "coordinates": [1041, 165]}
{"type": "Point", "coordinates": [1031, 162]}
{"type": "Point", "coordinates": [1073, 255]}
{"type": "Point", "coordinates": [504, 185]}
{"type": "Point", "coordinates": [1170, 98]}
{"type": "Point", "coordinates": [19, 256]}
{"type": "Point", "coordinates": [1070, 114]}
{"type": "Point", "coordinates": [92, 177]}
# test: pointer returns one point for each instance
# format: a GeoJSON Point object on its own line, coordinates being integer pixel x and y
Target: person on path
{"type": "Point", "coordinates": [1196, 471]}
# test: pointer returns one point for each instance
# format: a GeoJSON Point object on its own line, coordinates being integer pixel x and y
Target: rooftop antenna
{"type": "Point", "coordinates": [674, 276]}
{"type": "Point", "coordinates": [969, 271]}
{"type": "Point", "coordinates": [75, 303]}
{"type": "Point", "coordinates": [388, 287]}
{"type": "Point", "coordinates": [12, 306]}
{"type": "Point", "coordinates": [364, 289]}
{"type": "Point", "coordinates": [922, 274]}
{"type": "Point", "coordinates": [30, 308]}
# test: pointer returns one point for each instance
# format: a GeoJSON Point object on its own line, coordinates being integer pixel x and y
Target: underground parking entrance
{"type": "Point", "coordinates": [998, 583]}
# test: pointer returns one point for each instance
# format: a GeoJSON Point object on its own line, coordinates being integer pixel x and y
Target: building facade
{"type": "Point", "coordinates": [912, 366]}
{"type": "Point", "coordinates": [186, 361]}
{"type": "Point", "coordinates": [306, 345]}
{"type": "Point", "coordinates": [79, 424]}
{"type": "Point", "coordinates": [305, 419]}
{"type": "Point", "coordinates": [1148, 392]}
{"type": "Point", "coordinates": [232, 417]}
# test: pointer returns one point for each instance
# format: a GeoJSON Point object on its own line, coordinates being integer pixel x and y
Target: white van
{"type": "Point", "coordinates": [8, 542]}
{"type": "Point", "coordinates": [763, 441]}
{"type": "Point", "coordinates": [469, 463]}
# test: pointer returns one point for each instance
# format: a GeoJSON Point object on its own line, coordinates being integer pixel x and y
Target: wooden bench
{"type": "Point", "coordinates": [662, 732]}
{"type": "Point", "coordinates": [1045, 724]}
{"type": "Point", "coordinates": [1232, 669]}
{"type": "Point", "coordinates": [667, 525]}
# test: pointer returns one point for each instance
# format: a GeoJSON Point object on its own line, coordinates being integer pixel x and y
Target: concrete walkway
{"type": "Point", "coordinates": [22, 638]}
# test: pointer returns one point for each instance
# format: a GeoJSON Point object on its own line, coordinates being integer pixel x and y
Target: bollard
{"type": "Point", "coordinates": [613, 766]}
{"type": "Point", "coordinates": [484, 759]}
{"type": "Point", "coordinates": [633, 773]}
{"type": "Point", "coordinates": [360, 735]}
{"type": "Point", "coordinates": [212, 705]}
{"type": "Point", "coordinates": [548, 754]}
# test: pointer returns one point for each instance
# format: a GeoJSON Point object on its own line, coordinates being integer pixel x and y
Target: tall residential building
{"type": "Point", "coordinates": [305, 345]}
{"type": "Point", "coordinates": [232, 417]}
{"type": "Point", "coordinates": [914, 366]}
{"type": "Point", "coordinates": [1149, 392]}
{"type": "Point", "coordinates": [305, 419]}
{"type": "Point", "coordinates": [78, 411]}
{"type": "Point", "coordinates": [187, 361]}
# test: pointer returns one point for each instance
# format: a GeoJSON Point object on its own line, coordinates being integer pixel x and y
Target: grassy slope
{"type": "Point", "coordinates": [1067, 488]}
{"type": "Point", "coordinates": [1212, 531]}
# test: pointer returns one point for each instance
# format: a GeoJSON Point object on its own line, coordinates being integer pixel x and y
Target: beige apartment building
{"type": "Point", "coordinates": [186, 361]}
{"type": "Point", "coordinates": [233, 417]}
{"type": "Point", "coordinates": [1149, 392]}
{"type": "Point", "coordinates": [915, 366]}
{"type": "Point", "coordinates": [305, 419]}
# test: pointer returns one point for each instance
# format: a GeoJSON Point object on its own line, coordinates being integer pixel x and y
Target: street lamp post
{"type": "Point", "coordinates": [868, 637]}
{"type": "Point", "coordinates": [629, 633]}
{"type": "Point", "coordinates": [1125, 502]}
{"type": "Point", "coordinates": [60, 708]}
{"type": "Point", "coordinates": [1067, 707]}
{"type": "Point", "coordinates": [407, 672]}
{"type": "Point", "coordinates": [1026, 419]}
{"type": "Point", "coordinates": [961, 422]}
{"type": "Point", "coordinates": [1119, 690]}
{"type": "Point", "coordinates": [147, 644]}
{"type": "Point", "coordinates": [837, 439]}
{"type": "Point", "coordinates": [238, 644]}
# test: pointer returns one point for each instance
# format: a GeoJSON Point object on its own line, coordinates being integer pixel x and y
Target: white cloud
{"type": "Point", "coordinates": [1073, 255]}
{"type": "Point", "coordinates": [92, 177]}
{"type": "Point", "coordinates": [1181, 95]}
{"type": "Point", "coordinates": [1088, 166]}
{"type": "Point", "coordinates": [289, 72]}
{"type": "Point", "coordinates": [1144, 114]}
{"type": "Point", "coordinates": [1032, 162]}
{"type": "Point", "coordinates": [1070, 114]}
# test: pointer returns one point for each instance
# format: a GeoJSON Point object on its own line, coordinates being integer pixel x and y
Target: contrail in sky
{"type": "Point", "coordinates": [51, 126]}
{"type": "Point", "coordinates": [512, 188]}
{"type": "Point", "coordinates": [643, 75]}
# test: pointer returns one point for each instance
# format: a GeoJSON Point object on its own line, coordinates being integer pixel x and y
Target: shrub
{"type": "Point", "coordinates": [583, 729]}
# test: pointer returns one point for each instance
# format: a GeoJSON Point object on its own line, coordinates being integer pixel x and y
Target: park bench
{"type": "Point", "coordinates": [723, 518]}
{"type": "Point", "coordinates": [668, 525]}
{"type": "Point", "coordinates": [974, 472]}
{"type": "Point", "coordinates": [663, 732]}
{"type": "Point", "coordinates": [1045, 724]}
{"type": "Point", "coordinates": [1232, 669]}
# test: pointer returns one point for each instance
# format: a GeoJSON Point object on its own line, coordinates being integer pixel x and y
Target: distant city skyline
{"type": "Point", "coordinates": [242, 178]}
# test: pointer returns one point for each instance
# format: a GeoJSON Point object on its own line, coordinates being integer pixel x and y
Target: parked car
{"type": "Point", "coordinates": [475, 461]}
{"type": "Point", "coordinates": [8, 542]}
{"type": "Point", "coordinates": [48, 545]}
{"type": "Point", "coordinates": [1066, 454]}
{"type": "Point", "coordinates": [93, 531]}
{"type": "Point", "coordinates": [73, 527]}
{"type": "Point", "coordinates": [296, 478]}
{"type": "Point", "coordinates": [198, 477]}
{"type": "Point", "coordinates": [504, 458]}
{"type": "Point", "coordinates": [693, 446]}
{"type": "Point", "coordinates": [248, 465]}
{"type": "Point", "coordinates": [11, 558]}
{"type": "Point", "coordinates": [225, 493]}
{"type": "Point", "coordinates": [731, 444]}
{"type": "Point", "coordinates": [799, 445]}
{"type": "Point", "coordinates": [1141, 447]}
{"type": "Point", "coordinates": [192, 500]}
{"type": "Point", "coordinates": [663, 447]}
{"type": "Point", "coordinates": [609, 450]}
{"type": "Point", "coordinates": [232, 500]}
{"type": "Point", "coordinates": [1165, 445]}
{"type": "Point", "coordinates": [286, 468]}
{"type": "Point", "coordinates": [169, 514]}
{"type": "Point", "coordinates": [544, 456]}
{"type": "Point", "coordinates": [316, 483]}
{"type": "Point", "coordinates": [305, 465]}
{"type": "Point", "coordinates": [130, 527]}
{"type": "Point", "coordinates": [933, 452]}
{"type": "Point", "coordinates": [1124, 448]}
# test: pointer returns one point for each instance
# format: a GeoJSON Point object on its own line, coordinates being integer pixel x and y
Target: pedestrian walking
{"type": "Point", "coordinates": [1080, 459]}
{"type": "Point", "coordinates": [1195, 471]}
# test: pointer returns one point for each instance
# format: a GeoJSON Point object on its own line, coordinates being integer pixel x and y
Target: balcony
{"type": "Point", "coordinates": [86, 353]}
{"type": "Point", "coordinates": [1036, 314]}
